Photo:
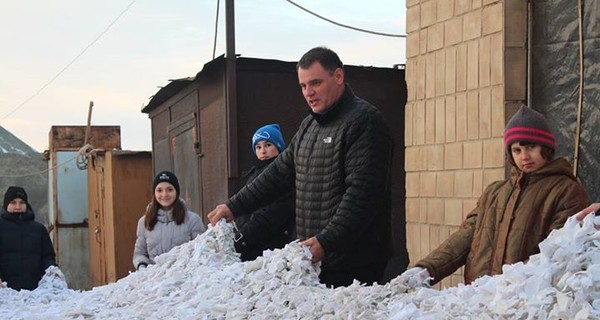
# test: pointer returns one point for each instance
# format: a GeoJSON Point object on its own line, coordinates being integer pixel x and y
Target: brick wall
{"type": "Point", "coordinates": [459, 87]}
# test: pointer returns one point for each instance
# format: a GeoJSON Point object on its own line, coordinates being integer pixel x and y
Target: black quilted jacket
{"type": "Point", "coordinates": [25, 250]}
{"type": "Point", "coordinates": [339, 164]}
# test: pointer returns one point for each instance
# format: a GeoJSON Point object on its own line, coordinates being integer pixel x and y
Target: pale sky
{"type": "Point", "coordinates": [154, 41]}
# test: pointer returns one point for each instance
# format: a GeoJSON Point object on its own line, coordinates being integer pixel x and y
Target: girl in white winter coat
{"type": "Point", "coordinates": [166, 224]}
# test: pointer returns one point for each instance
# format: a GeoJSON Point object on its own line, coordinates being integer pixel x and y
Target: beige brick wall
{"type": "Point", "coordinates": [458, 85]}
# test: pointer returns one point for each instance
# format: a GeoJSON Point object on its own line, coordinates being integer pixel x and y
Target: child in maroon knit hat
{"type": "Point", "coordinates": [512, 216]}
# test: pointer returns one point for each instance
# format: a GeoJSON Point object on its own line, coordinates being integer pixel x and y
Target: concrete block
{"type": "Point", "coordinates": [421, 77]}
{"type": "Point", "coordinates": [485, 112]}
{"type": "Point", "coordinates": [412, 210]}
{"type": "Point", "coordinates": [413, 18]}
{"type": "Point", "coordinates": [440, 122]}
{"type": "Point", "coordinates": [463, 183]}
{"type": "Point", "coordinates": [498, 123]}
{"type": "Point", "coordinates": [472, 115]}
{"type": "Point", "coordinates": [412, 184]}
{"type": "Point", "coordinates": [492, 18]}
{"type": "Point", "coordinates": [440, 68]}
{"type": "Point", "coordinates": [472, 65]}
{"type": "Point", "coordinates": [430, 76]}
{"type": "Point", "coordinates": [435, 37]}
{"type": "Point", "coordinates": [461, 67]}
{"type": "Point", "coordinates": [453, 156]}
{"type": "Point", "coordinates": [461, 117]}
{"type": "Point", "coordinates": [453, 212]}
{"type": "Point", "coordinates": [484, 62]}
{"type": "Point", "coordinates": [427, 184]}
{"type": "Point", "coordinates": [435, 211]}
{"type": "Point", "coordinates": [428, 13]}
{"type": "Point", "coordinates": [450, 74]}
{"type": "Point", "coordinates": [477, 181]}
{"type": "Point", "coordinates": [472, 25]}
{"type": "Point", "coordinates": [450, 118]}
{"type": "Point", "coordinates": [435, 157]}
{"type": "Point", "coordinates": [430, 121]}
{"type": "Point", "coordinates": [408, 123]}
{"type": "Point", "coordinates": [472, 154]}
{"type": "Point", "coordinates": [412, 44]}
{"type": "Point", "coordinates": [453, 31]}
{"type": "Point", "coordinates": [496, 59]}
{"type": "Point", "coordinates": [462, 6]}
{"type": "Point", "coordinates": [445, 185]}
{"type": "Point", "coordinates": [419, 123]}
{"type": "Point", "coordinates": [445, 9]}
{"type": "Point", "coordinates": [493, 153]}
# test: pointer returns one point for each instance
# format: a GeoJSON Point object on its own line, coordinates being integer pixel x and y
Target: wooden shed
{"type": "Point", "coordinates": [202, 126]}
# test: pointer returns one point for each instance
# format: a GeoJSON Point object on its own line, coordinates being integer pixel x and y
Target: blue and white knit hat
{"type": "Point", "coordinates": [269, 133]}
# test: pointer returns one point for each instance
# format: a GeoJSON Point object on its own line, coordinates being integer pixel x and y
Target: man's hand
{"type": "Point", "coordinates": [592, 208]}
{"type": "Point", "coordinates": [315, 249]}
{"type": "Point", "coordinates": [221, 211]}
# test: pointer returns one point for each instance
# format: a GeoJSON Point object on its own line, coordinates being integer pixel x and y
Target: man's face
{"type": "Point", "coordinates": [528, 157]}
{"type": "Point", "coordinates": [320, 88]}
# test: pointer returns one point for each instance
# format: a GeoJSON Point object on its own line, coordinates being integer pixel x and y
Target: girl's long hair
{"type": "Point", "coordinates": [151, 215]}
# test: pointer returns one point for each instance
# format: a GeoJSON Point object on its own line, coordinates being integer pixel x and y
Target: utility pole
{"type": "Point", "coordinates": [231, 93]}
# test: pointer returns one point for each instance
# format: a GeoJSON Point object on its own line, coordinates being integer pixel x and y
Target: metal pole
{"type": "Point", "coordinates": [231, 93]}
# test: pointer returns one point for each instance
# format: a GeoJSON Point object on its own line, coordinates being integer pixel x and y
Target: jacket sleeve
{"type": "Point", "coordinates": [275, 181]}
{"type": "Point", "coordinates": [140, 250]}
{"type": "Point", "coordinates": [367, 162]}
{"type": "Point", "coordinates": [266, 222]}
{"type": "Point", "coordinates": [571, 200]}
{"type": "Point", "coordinates": [196, 225]}
{"type": "Point", "coordinates": [452, 253]}
{"type": "Point", "coordinates": [48, 255]}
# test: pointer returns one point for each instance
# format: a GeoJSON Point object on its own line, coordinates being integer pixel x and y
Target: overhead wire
{"type": "Point", "coordinates": [347, 26]}
{"type": "Point", "coordinates": [70, 63]}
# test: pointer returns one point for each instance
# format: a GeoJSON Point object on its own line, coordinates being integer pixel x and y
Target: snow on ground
{"type": "Point", "coordinates": [204, 279]}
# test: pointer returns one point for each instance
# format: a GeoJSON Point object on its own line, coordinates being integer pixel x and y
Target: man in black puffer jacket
{"type": "Point", "coordinates": [339, 163]}
{"type": "Point", "coordinates": [25, 247]}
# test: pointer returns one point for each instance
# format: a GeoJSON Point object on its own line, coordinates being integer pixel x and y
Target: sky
{"type": "Point", "coordinates": [57, 56]}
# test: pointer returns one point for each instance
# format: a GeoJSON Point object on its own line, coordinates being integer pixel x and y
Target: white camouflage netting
{"type": "Point", "coordinates": [204, 279]}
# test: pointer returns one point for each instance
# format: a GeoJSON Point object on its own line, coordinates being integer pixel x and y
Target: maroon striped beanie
{"type": "Point", "coordinates": [528, 125]}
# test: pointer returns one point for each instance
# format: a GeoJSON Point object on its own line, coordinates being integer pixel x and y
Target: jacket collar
{"type": "Point", "coordinates": [18, 217]}
{"type": "Point", "coordinates": [337, 107]}
{"type": "Point", "coordinates": [559, 166]}
{"type": "Point", "coordinates": [164, 216]}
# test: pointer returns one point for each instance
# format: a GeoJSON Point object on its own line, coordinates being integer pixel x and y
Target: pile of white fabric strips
{"type": "Point", "coordinates": [204, 279]}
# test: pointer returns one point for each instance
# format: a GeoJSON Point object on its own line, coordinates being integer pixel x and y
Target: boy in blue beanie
{"type": "Point", "coordinates": [274, 225]}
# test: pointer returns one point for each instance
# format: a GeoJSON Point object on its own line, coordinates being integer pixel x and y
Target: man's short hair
{"type": "Point", "coordinates": [325, 56]}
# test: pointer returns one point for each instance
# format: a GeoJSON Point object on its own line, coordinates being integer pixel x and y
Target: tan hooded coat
{"type": "Point", "coordinates": [511, 218]}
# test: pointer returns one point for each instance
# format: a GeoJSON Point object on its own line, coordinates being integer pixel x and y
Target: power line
{"type": "Point", "coordinates": [70, 63]}
{"type": "Point", "coordinates": [347, 26]}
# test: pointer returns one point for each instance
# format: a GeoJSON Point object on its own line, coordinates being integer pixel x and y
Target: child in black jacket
{"type": "Point", "coordinates": [274, 225]}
